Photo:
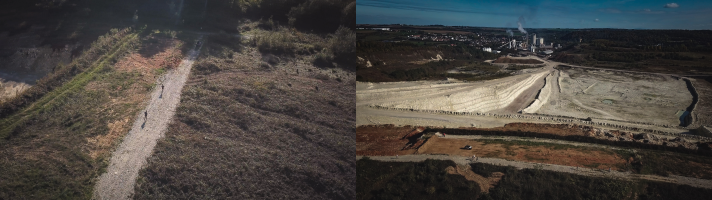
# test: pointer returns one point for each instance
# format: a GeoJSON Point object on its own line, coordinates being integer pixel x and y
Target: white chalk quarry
{"type": "Point", "coordinates": [468, 98]}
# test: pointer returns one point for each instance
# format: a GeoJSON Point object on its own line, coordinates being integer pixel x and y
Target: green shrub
{"type": "Point", "coordinates": [343, 43]}
{"type": "Point", "coordinates": [318, 15]}
{"type": "Point", "coordinates": [276, 41]}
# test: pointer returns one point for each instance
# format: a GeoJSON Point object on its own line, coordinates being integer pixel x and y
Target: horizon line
{"type": "Point", "coordinates": [529, 28]}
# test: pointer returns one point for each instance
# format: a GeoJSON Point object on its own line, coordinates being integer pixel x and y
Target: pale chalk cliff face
{"type": "Point", "coordinates": [457, 97]}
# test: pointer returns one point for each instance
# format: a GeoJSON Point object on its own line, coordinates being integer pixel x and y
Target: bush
{"type": "Point", "coordinates": [343, 44]}
{"type": "Point", "coordinates": [318, 15]}
{"type": "Point", "coordinates": [430, 190]}
{"type": "Point", "coordinates": [323, 59]}
{"type": "Point", "coordinates": [276, 42]}
{"type": "Point", "coordinates": [276, 9]}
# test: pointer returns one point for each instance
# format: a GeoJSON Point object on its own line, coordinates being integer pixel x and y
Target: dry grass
{"type": "Point", "coordinates": [159, 52]}
{"type": "Point", "coordinates": [529, 152]}
{"type": "Point", "coordinates": [324, 49]}
{"type": "Point", "coordinates": [64, 139]}
{"type": "Point", "coordinates": [244, 131]}
{"type": "Point", "coordinates": [485, 183]}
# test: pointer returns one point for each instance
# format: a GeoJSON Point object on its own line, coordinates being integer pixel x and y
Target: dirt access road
{"type": "Point", "coordinates": [120, 177]}
{"type": "Point", "coordinates": [462, 160]}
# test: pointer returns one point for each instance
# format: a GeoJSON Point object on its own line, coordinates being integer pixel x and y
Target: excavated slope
{"type": "Point", "coordinates": [466, 98]}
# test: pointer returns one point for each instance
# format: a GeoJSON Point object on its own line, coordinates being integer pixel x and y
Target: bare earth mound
{"type": "Point", "coordinates": [385, 140]}
{"type": "Point", "coordinates": [600, 159]}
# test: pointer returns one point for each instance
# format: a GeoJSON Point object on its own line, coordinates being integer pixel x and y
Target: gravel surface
{"type": "Point", "coordinates": [461, 160]}
{"type": "Point", "coordinates": [120, 177]}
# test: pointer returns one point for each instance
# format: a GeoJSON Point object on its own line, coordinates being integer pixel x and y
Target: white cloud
{"type": "Point", "coordinates": [646, 10]}
{"type": "Point", "coordinates": [596, 20]}
{"type": "Point", "coordinates": [671, 5]}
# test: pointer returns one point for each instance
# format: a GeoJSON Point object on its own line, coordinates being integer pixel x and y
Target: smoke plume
{"type": "Point", "coordinates": [510, 32]}
{"type": "Point", "coordinates": [520, 22]}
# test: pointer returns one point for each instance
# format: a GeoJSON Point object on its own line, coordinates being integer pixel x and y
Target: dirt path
{"type": "Point", "coordinates": [137, 146]}
{"type": "Point", "coordinates": [461, 160]}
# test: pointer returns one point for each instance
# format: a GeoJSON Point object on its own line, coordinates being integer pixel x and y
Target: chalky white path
{"type": "Point", "coordinates": [118, 182]}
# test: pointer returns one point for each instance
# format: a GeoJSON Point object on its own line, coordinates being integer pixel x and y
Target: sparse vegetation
{"type": "Point", "coordinates": [105, 51]}
{"type": "Point", "coordinates": [279, 41]}
{"type": "Point", "coordinates": [424, 180]}
{"type": "Point", "coordinates": [269, 135]}
{"type": "Point", "coordinates": [542, 144]}
{"type": "Point", "coordinates": [339, 47]}
{"type": "Point", "coordinates": [57, 145]}
{"type": "Point", "coordinates": [409, 60]}
{"type": "Point", "coordinates": [576, 138]}
{"type": "Point", "coordinates": [666, 163]}
{"type": "Point", "coordinates": [428, 180]}
{"type": "Point", "coordinates": [321, 16]}
{"type": "Point", "coordinates": [99, 52]}
{"type": "Point", "coordinates": [541, 184]}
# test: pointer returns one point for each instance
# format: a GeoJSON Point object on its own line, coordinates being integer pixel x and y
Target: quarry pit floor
{"type": "Point", "coordinates": [637, 100]}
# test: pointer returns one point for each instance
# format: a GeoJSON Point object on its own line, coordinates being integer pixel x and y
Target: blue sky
{"type": "Point", "coordinates": [629, 14]}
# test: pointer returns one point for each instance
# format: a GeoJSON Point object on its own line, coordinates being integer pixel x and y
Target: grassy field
{"type": "Point", "coordinates": [55, 147]}
{"type": "Point", "coordinates": [258, 121]}
{"type": "Point", "coordinates": [390, 180]}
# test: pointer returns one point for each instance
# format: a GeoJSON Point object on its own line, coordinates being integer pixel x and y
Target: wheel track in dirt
{"type": "Point", "coordinates": [130, 156]}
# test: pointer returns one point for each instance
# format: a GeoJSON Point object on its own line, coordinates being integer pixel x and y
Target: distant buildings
{"type": "Point", "coordinates": [487, 49]}
{"type": "Point", "coordinates": [378, 29]}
